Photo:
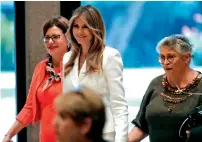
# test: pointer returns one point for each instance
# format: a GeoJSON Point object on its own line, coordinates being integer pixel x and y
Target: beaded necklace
{"type": "Point", "coordinates": [175, 95]}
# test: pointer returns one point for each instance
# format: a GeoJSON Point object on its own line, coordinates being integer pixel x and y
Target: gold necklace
{"type": "Point", "coordinates": [175, 96]}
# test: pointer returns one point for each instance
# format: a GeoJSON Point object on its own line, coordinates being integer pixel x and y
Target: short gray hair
{"type": "Point", "coordinates": [179, 43]}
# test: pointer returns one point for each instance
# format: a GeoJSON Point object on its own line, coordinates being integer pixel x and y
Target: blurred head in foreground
{"type": "Point", "coordinates": [80, 116]}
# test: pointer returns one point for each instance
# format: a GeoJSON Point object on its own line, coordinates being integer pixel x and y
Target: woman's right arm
{"type": "Point", "coordinates": [140, 130]}
{"type": "Point", "coordinates": [25, 115]}
{"type": "Point", "coordinates": [136, 135]}
{"type": "Point", "coordinates": [16, 128]}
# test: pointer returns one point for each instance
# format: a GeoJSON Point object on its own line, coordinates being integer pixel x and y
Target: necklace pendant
{"type": "Point", "coordinates": [169, 109]}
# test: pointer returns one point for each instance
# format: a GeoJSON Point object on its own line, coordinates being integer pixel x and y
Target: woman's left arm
{"type": "Point", "coordinates": [113, 71]}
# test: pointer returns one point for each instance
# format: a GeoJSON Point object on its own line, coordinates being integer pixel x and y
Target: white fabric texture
{"type": "Point", "coordinates": [109, 85]}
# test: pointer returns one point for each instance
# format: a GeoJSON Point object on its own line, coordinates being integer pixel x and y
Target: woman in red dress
{"type": "Point", "coordinates": [46, 83]}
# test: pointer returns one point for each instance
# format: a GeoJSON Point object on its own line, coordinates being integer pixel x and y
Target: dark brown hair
{"type": "Point", "coordinates": [58, 21]}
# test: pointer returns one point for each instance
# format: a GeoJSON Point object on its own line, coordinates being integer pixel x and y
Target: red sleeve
{"type": "Point", "coordinates": [26, 114]}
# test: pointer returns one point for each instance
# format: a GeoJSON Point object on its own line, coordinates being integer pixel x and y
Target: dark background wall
{"type": "Point", "coordinates": [30, 18]}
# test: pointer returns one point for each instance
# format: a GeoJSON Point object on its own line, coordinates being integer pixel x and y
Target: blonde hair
{"type": "Point", "coordinates": [79, 105]}
{"type": "Point", "coordinates": [95, 24]}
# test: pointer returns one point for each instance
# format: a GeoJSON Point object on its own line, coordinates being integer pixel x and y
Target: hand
{"type": "Point", "coordinates": [188, 133]}
{"type": "Point", "coordinates": [128, 140]}
{"type": "Point", "coordinates": [7, 139]}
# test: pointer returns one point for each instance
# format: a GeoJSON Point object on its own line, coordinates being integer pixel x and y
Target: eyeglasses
{"type": "Point", "coordinates": [169, 58]}
{"type": "Point", "coordinates": [54, 38]}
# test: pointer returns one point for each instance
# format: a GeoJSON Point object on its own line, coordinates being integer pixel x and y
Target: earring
{"type": "Point", "coordinates": [68, 47]}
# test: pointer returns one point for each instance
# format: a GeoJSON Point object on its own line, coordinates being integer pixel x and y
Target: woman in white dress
{"type": "Point", "coordinates": [92, 64]}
